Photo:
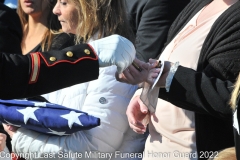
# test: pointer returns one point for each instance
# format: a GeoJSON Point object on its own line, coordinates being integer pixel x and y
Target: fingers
{"type": "Point", "coordinates": [3, 138]}
{"type": "Point", "coordinates": [143, 107]}
{"type": "Point", "coordinates": [154, 63]}
{"type": "Point", "coordinates": [136, 66]}
{"type": "Point", "coordinates": [153, 74]}
{"type": "Point", "coordinates": [135, 116]}
{"type": "Point", "coordinates": [121, 77]}
{"type": "Point", "coordinates": [145, 66]}
{"type": "Point", "coordinates": [129, 77]}
{"type": "Point", "coordinates": [138, 127]}
{"type": "Point", "coordinates": [139, 72]}
{"type": "Point", "coordinates": [134, 71]}
{"type": "Point", "coordinates": [126, 77]}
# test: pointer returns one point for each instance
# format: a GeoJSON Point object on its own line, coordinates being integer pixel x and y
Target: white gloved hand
{"type": "Point", "coordinates": [114, 50]}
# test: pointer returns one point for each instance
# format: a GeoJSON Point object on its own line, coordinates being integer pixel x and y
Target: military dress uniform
{"type": "Point", "coordinates": [42, 72]}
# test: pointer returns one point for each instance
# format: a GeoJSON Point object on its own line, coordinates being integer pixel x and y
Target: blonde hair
{"type": "Point", "coordinates": [227, 154]}
{"type": "Point", "coordinates": [53, 25]}
{"type": "Point", "coordinates": [105, 17]}
{"type": "Point", "coordinates": [235, 93]}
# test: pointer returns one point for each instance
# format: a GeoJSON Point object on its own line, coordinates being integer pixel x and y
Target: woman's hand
{"type": "Point", "coordinates": [3, 138]}
{"type": "Point", "coordinates": [162, 80]}
{"type": "Point", "coordinates": [153, 71]}
{"type": "Point", "coordinates": [11, 130]}
{"type": "Point", "coordinates": [138, 115]}
{"type": "Point", "coordinates": [133, 75]}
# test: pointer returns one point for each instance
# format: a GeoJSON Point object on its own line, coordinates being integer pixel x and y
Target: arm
{"type": "Point", "coordinates": [39, 73]}
{"type": "Point", "coordinates": [101, 138]}
{"type": "Point", "coordinates": [208, 90]}
{"type": "Point", "coordinates": [62, 40]}
{"type": "Point", "coordinates": [152, 21]}
{"type": "Point", "coordinates": [198, 92]}
{"type": "Point", "coordinates": [35, 74]}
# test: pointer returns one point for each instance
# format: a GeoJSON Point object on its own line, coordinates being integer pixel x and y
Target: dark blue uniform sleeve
{"type": "Point", "coordinates": [39, 73]}
{"type": "Point", "coordinates": [10, 30]}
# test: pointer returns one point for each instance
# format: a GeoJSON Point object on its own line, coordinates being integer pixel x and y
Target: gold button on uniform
{"type": "Point", "coordinates": [53, 59]}
{"type": "Point", "coordinates": [69, 54]}
{"type": "Point", "coordinates": [87, 51]}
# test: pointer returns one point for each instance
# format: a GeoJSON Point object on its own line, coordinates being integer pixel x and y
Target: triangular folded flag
{"type": "Point", "coordinates": [45, 117]}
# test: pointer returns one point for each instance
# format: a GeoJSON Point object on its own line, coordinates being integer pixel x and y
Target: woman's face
{"type": "Point", "coordinates": [67, 15]}
{"type": "Point", "coordinates": [32, 7]}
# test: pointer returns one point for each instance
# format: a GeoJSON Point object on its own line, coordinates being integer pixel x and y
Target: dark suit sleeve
{"type": "Point", "coordinates": [154, 19]}
{"type": "Point", "coordinates": [209, 89]}
{"type": "Point", "coordinates": [39, 73]}
{"type": "Point", "coordinates": [197, 92]}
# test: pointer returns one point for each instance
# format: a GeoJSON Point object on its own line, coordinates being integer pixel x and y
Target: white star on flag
{"type": "Point", "coordinates": [72, 117]}
{"type": "Point", "coordinates": [57, 133]}
{"type": "Point", "coordinates": [8, 123]}
{"type": "Point", "coordinates": [28, 113]}
{"type": "Point", "coordinates": [235, 121]}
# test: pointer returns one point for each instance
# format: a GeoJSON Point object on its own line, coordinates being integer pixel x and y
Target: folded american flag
{"type": "Point", "coordinates": [45, 117]}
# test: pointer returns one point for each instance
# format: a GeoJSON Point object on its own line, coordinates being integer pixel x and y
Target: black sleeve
{"type": "Point", "coordinates": [39, 73]}
{"type": "Point", "coordinates": [209, 89]}
{"type": "Point", "coordinates": [151, 20]}
{"type": "Point", "coordinates": [197, 92]}
{"type": "Point", "coordinates": [62, 40]}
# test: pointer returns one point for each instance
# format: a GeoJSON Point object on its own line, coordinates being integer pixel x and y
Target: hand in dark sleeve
{"type": "Point", "coordinates": [197, 92]}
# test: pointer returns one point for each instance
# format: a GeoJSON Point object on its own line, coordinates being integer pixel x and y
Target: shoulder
{"type": "Point", "coordinates": [231, 14]}
{"type": "Point", "coordinates": [225, 32]}
{"type": "Point", "coordinates": [62, 40]}
{"type": "Point", "coordinates": [63, 37]}
{"type": "Point", "coordinates": [4, 8]}
{"type": "Point", "coordinates": [5, 12]}
{"type": "Point", "coordinates": [9, 17]}
{"type": "Point", "coordinates": [11, 30]}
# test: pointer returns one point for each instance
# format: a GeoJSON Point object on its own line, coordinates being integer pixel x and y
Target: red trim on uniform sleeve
{"type": "Point", "coordinates": [93, 50]}
{"type": "Point", "coordinates": [65, 61]}
{"type": "Point", "coordinates": [35, 67]}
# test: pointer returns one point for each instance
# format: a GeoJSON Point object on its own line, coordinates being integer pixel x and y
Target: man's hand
{"type": "Point", "coordinates": [137, 114]}
{"type": "Point", "coordinates": [114, 50]}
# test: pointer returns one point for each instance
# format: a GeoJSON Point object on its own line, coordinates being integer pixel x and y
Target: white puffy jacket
{"type": "Point", "coordinates": [105, 98]}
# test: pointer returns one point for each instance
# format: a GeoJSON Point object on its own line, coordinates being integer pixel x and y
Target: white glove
{"type": "Point", "coordinates": [114, 50]}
